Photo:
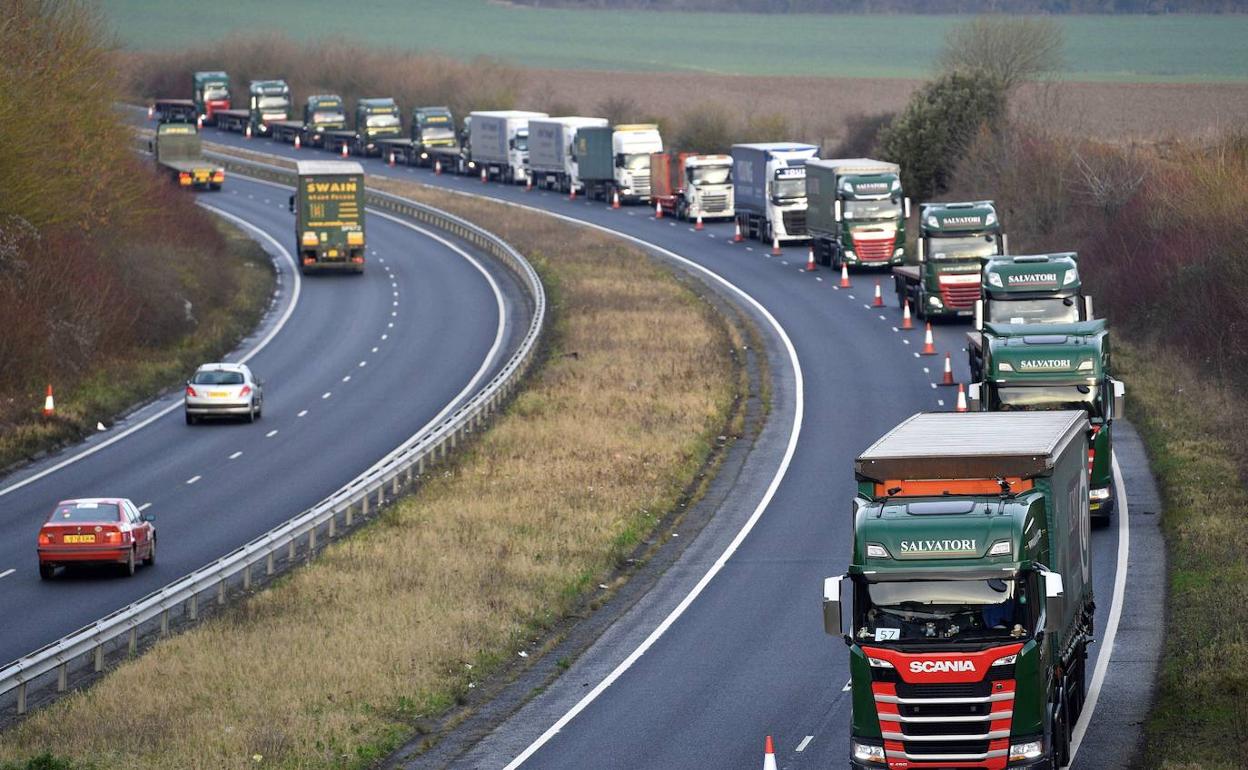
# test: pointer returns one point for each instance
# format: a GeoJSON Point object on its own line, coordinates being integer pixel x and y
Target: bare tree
{"type": "Point", "coordinates": [1008, 49]}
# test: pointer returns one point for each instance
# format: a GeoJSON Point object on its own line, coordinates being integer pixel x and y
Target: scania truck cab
{"type": "Point", "coordinates": [1058, 367]}
{"type": "Point", "coordinates": [857, 213]}
{"type": "Point", "coordinates": [955, 239]}
{"type": "Point", "coordinates": [210, 91]}
{"type": "Point", "coordinates": [688, 186]}
{"type": "Point", "coordinates": [769, 189]}
{"type": "Point", "coordinates": [268, 100]}
{"type": "Point", "coordinates": [322, 113]}
{"type": "Point", "coordinates": [433, 135]}
{"type": "Point", "coordinates": [375, 120]}
{"type": "Point", "coordinates": [969, 592]}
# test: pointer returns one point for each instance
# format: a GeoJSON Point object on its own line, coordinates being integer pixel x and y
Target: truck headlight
{"type": "Point", "coordinates": [849, 254]}
{"type": "Point", "coordinates": [1027, 750]}
{"type": "Point", "coordinates": [879, 663]}
{"type": "Point", "coordinates": [1001, 548]}
{"type": "Point", "coordinates": [864, 752]}
{"type": "Point", "coordinates": [935, 301]}
{"type": "Point", "coordinates": [898, 252]}
{"type": "Point", "coordinates": [1101, 494]}
{"type": "Point", "coordinates": [994, 279]}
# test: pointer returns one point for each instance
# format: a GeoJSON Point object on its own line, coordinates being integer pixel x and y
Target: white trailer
{"type": "Point", "coordinates": [552, 158]}
{"type": "Point", "coordinates": [499, 143]}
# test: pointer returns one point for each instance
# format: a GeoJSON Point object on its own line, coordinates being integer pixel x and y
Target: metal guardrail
{"type": "Point", "coordinates": [87, 645]}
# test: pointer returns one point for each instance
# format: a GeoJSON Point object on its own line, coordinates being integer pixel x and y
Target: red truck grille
{"type": "Point", "coordinates": [874, 249]}
{"type": "Point", "coordinates": [957, 292]}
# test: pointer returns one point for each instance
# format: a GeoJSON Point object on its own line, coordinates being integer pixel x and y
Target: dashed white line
{"type": "Point", "coordinates": [374, 350]}
{"type": "Point", "coordinates": [882, 318]}
{"type": "Point", "coordinates": [236, 455]}
{"type": "Point", "coordinates": [749, 248]}
{"type": "Point", "coordinates": [940, 402]}
{"type": "Point", "coordinates": [193, 479]}
{"type": "Point", "coordinates": [302, 413]}
{"type": "Point", "coordinates": [347, 378]}
{"type": "Point", "coordinates": [396, 303]}
{"type": "Point", "coordinates": [817, 278]}
{"type": "Point", "coordinates": [327, 394]}
{"type": "Point", "coordinates": [926, 370]}
{"type": "Point", "coordinates": [805, 742]}
{"type": "Point", "coordinates": [365, 363]}
{"type": "Point", "coordinates": [933, 385]}
{"type": "Point", "coordinates": [7, 572]}
{"type": "Point", "coordinates": [394, 313]}
{"type": "Point", "coordinates": [396, 294]}
{"type": "Point", "coordinates": [391, 324]}
{"type": "Point", "coordinates": [271, 433]}
{"type": "Point", "coordinates": [906, 342]}
{"type": "Point", "coordinates": [851, 296]}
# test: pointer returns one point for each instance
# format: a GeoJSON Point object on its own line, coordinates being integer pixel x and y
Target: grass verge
{"type": "Point", "coordinates": [339, 662]}
{"type": "Point", "coordinates": [1194, 434]}
{"type": "Point", "coordinates": [115, 385]}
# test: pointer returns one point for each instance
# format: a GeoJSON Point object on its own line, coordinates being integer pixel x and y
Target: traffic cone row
{"type": "Point", "coordinates": [879, 299]}
{"type": "Point", "coordinates": [49, 406]}
{"type": "Point", "coordinates": [929, 347]}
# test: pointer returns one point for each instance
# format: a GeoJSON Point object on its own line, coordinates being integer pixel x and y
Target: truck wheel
{"type": "Point", "coordinates": [682, 211]}
{"type": "Point", "coordinates": [835, 255]}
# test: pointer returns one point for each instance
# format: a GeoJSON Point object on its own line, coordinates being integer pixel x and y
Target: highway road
{"type": "Point", "coordinates": [353, 366]}
{"type": "Point", "coordinates": [729, 646]}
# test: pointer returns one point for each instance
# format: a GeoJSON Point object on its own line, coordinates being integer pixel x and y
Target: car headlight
{"type": "Point", "coordinates": [994, 279]}
{"type": "Point", "coordinates": [1027, 750]}
{"type": "Point", "coordinates": [864, 752]}
{"type": "Point", "coordinates": [1100, 494]}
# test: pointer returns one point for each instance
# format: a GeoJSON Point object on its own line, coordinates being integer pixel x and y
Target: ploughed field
{"type": "Point", "coordinates": [1182, 48]}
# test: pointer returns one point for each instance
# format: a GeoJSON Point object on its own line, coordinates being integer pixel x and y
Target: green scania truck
{"type": "Point", "coordinates": [954, 240]}
{"type": "Point", "coordinates": [328, 205]}
{"type": "Point", "coordinates": [969, 592]}
{"type": "Point", "coordinates": [321, 113]}
{"type": "Point", "coordinates": [267, 101]}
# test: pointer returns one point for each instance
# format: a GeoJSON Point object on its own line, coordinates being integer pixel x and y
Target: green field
{"type": "Point", "coordinates": [1123, 48]}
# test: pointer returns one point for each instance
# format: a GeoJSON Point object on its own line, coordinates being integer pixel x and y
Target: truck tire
{"type": "Point", "coordinates": [682, 210]}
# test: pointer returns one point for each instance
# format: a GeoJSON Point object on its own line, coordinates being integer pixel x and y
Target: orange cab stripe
{"type": "Point", "coordinates": [938, 487]}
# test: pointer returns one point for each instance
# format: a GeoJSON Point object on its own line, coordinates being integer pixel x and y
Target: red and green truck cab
{"type": "Point", "coordinates": [954, 240]}
{"type": "Point", "coordinates": [856, 212]}
{"type": "Point", "coordinates": [1058, 367]}
{"type": "Point", "coordinates": [210, 92]}
{"type": "Point", "coordinates": [969, 592]}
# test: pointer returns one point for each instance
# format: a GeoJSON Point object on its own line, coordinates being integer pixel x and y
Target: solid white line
{"type": "Point", "coordinates": [805, 742]}
{"type": "Point", "coordinates": [193, 479]}
{"type": "Point", "coordinates": [281, 322]}
{"type": "Point", "coordinates": [687, 601]}
{"type": "Point", "coordinates": [1115, 615]}
{"type": "Point", "coordinates": [145, 506]}
{"type": "Point", "coordinates": [271, 433]}
{"type": "Point", "coordinates": [7, 572]}
{"type": "Point", "coordinates": [301, 414]}
{"type": "Point", "coordinates": [236, 455]}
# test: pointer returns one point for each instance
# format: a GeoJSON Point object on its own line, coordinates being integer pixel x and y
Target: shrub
{"type": "Point", "coordinates": [1005, 49]}
{"type": "Point", "coordinates": [862, 134]}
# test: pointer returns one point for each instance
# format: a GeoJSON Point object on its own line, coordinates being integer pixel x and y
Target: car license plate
{"type": "Point", "coordinates": [219, 394]}
{"type": "Point", "coordinates": [79, 538]}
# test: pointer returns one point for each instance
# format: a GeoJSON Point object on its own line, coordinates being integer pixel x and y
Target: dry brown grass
{"type": "Point", "coordinates": [332, 667]}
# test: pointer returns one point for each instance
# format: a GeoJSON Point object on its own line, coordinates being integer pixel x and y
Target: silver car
{"type": "Point", "coordinates": [223, 390]}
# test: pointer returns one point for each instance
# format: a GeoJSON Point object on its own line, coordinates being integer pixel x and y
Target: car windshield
{"type": "Point", "coordinates": [933, 610]}
{"type": "Point", "coordinates": [327, 116]}
{"type": "Point", "coordinates": [85, 512]}
{"type": "Point", "coordinates": [381, 121]}
{"type": "Point", "coordinates": [711, 175]}
{"type": "Point", "coordinates": [789, 189]}
{"type": "Point", "coordinates": [962, 247]}
{"type": "Point", "coordinates": [214, 93]}
{"type": "Point", "coordinates": [1050, 310]}
{"type": "Point", "coordinates": [218, 377]}
{"type": "Point", "coordinates": [885, 209]}
{"type": "Point", "coordinates": [273, 102]}
{"type": "Point", "coordinates": [1044, 398]}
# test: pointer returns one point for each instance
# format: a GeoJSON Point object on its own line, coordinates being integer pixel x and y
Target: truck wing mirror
{"type": "Point", "coordinates": [906, 206]}
{"type": "Point", "coordinates": [922, 250]}
{"type": "Point", "coordinates": [1054, 602]}
{"type": "Point", "coordinates": [973, 397]}
{"type": "Point", "coordinates": [1087, 308]}
{"type": "Point", "coordinates": [832, 607]}
{"type": "Point", "coordinates": [1120, 397]}
{"type": "Point", "coordinates": [290, 203]}
{"type": "Point", "coordinates": [836, 210]}
{"type": "Point", "coordinates": [1005, 244]}
{"type": "Point", "coordinates": [979, 315]}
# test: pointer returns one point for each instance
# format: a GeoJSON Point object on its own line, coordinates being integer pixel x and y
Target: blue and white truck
{"type": "Point", "coordinates": [769, 187]}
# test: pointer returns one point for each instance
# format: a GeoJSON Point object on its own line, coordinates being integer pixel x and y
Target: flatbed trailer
{"type": "Point", "coordinates": [178, 152]}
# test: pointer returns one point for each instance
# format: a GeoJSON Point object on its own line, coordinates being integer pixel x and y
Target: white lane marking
{"type": "Point", "coordinates": [271, 433]}
{"type": "Point", "coordinates": [193, 479]}
{"type": "Point", "coordinates": [145, 506]}
{"type": "Point", "coordinates": [374, 350]}
{"type": "Point", "coordinates": [302, 413]}
{"type": "Point", "coordinates": [385, 336]}
{"type": "Point", "coordinates": [236, 455]}
{"type": "Point", "coordinates": [851, 296]}
{"type": "Point", "coordinates": [749, 248]}
{"type": "Point", "coordinates": [933, 385]}
{"type": "Point", "coordinates": [327, 394]}
{"type": "Point", "coordinates": [799, 408]}
{"type": "Point", "coordinates": [926, 370]}
{"type": "Point", "coordinates": [907, 342]}
{"type": "Point", "coordinates": [396, 294]}
{"type": "Point", "coordinates": [365, 363]}
{"type": "Point", "coordinates": [394, 313]}
{"type": "Point", "coordinates": [396, 303]}
{"type": "Point", "coordinates": [1115, 615]}
{"type": "Point", "coordinates": [347, 378]}
{"type": "Point", "coordinates": [7, 572]}
{"type": "Point", "coordinates": [817, 278]}
{"type": "Point", "coordinates": [805, 742]}
{"type": "Point", "coordinates": [390, 325]}
{"type": "Point", "coordinates": [281, 322]}
{"type": "Point", "coordinates": [882, 318]}
{"type": "Point", "coordinates": [940, 402]}
{"type": "Point", "coordinates": [848, 686]}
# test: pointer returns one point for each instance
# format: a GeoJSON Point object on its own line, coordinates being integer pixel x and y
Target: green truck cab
{"type": "Point", "coordinates": [856, 212]}
{"type": "Point", "coordinates": [969, 592]}
{"type": "Point", "coordinates": [179, 152]}
{"type": "Point", "coordinates": [268, 101]}
{"type": "Point", "coordinates": [433, 136]}
{"type": "Point", "coordinates": [328, 205]}
{"type": "Point", "coordinates": [322, 113]}
{"type": "Point", "coordinates": [210, 92]}
{"type": "Point", "coordinates": [954, 240]}
{"type": "Point", "coordinates": [375, 120]}
{"type": "Point", "coordinates": [1058, 367]}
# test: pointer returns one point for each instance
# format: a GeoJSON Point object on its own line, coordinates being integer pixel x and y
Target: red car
{"type": "Point", "coordinates": [96, 530]}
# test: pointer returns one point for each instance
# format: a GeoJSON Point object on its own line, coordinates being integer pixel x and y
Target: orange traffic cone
{"type": "Point", "coordinates": [929, 347]}
{"type": "Point", "coordinates": [528, 183]}
{"type": "Point", "coordinates": [391, 161]}
{"type": "Point", "coordinates": [879, 299]}
{"type": "Point", "coordinates": [247, 132]}
{"type": "Point", "coordinates": [961, 407]}
{"type": "Point", "coordinates": [948, 377]}
{"type": "Point", "coordinates": [345, 151]}
{"type": "Point", "coordinates": [298, 142]}
{"type": "Point", "coordinates": [844, 276]}
{"type": "Point", "coordinates": [736, 235]}
{"type": "Point", "coordinates": [775, 245]}
{"type": "Point", "coordinates": [615, 199]}
{"type": "Point", "coordinates": [437, 167]}
{"type": "Point", "coordinates": [698, 224]}
{"type": "Point", "coordinates": [571, 192]}
{"type": "Point", "coordinates": [658, 209]}
{"type": "Point", "coordinates": [906, 322]}
{"type": "Point", "coordinates": [769, 755]}
{"type": "Point", "coordinates": [199, 122]}
{"type": "Point", "coordinates": [810, 260]}
{"type": "Point", "coordinates": [485, 175]}
{"type": "Point", "coordinates": [49, 407]}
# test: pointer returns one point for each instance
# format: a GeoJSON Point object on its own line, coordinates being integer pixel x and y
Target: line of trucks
{"type": "Point", "coordinates": [969, 589]}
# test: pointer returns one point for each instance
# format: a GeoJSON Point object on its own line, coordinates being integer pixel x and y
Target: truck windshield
{"type": "Point", "coordinates": [215, 93]}
{"type": "Point", "coordinates": [871, 210]}
{"type": "Point", "coordinates": [522, 141]}
{"type": "Point", "coordinates": [431, 133]}
{"type": "Point", "coordinates": [962, 247]}
{"type": "Point", "coordinates": [1051, 310]}
{"type": "Point", "coordinates": [789, 189]}
{"type": "Point", "coordinates": [381, 121]}
{"type": "Point", "coordinates": [273, 102]}
{"type": "Point", "coordinates": [321, 117]}
{"type": "Point", "coordinates": [713, 175]}
{"type": "Point", "coordinates": [1043, 398]}
{"type": "Point", "coordinates": [637, 161]}
{"type": "Point", "coordinates": [935, 610]}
